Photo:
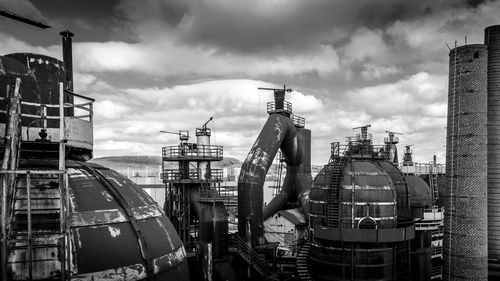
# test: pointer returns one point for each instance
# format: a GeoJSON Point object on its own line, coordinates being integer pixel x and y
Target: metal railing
{"type": "Point", "coordinates": [174, 175]}
{"type": "Point", "coordinates": [298, 121]}
{"type": "Point", "coordinates": [422, 168]}
{"type": "Point", "coordinates": [192, 151]}
{"type": "Point", "coordinates": [359, 150]}
{"type": "Point", "coordinates": [394, 139]}
{"type": "Point", "coordinates": [272, 108]}
{"type": "Point", "coordinates": [251, 257]}
{"type": "Point", "coordinates": [436, 272]}
{"type": "Point", "coordinates": [78, 115]}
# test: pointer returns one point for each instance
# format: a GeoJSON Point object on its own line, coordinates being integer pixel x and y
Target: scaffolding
{"type": "Point", "coordinates": [193, 175]}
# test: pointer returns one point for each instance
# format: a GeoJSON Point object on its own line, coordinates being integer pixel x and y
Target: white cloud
{"type": "Point", "coordinates": [164, 58]}
{"type": "Point", "coordinates": [109, 109]}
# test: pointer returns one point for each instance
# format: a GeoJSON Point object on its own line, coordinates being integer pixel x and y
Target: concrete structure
{"type": "Point", "coordinates": [465, 200]}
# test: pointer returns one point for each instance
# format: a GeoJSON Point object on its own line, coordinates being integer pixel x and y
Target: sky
{"type": "Point", "coordinates": [170, 65]}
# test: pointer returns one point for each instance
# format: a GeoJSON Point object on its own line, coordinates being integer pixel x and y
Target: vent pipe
{"type": "Point", "coordinates": [492, 40]}
{"type": "Point", "coordinates": [465, 200]}
{"type": "Point", "coordinates": [67, 49]}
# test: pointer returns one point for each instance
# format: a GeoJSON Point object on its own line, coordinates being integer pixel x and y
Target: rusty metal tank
{"type": "Point", "coordinates": [368, 241]}
{"type": "Point", "coordinates": [116, 230]}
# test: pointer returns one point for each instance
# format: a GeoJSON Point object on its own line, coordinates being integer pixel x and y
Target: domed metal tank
{"type": "Point", "coordinates": [118, 232]}
{"type": "Point", "coordinates": [356, 231]}
{"type": "Point", "coordinates": [115, 231]}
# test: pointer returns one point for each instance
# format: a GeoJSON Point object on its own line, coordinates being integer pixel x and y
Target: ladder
{"type": "Point", "coordinates": [279, 174]}
{"type": "Point", "coordinates": [334, 190]}
{"type": "Point", "coordinates": [433, 183]}
{"type": "Point", "coordinates": [302, 262]}
{"type": "Point", "coordinates": [35, 209]}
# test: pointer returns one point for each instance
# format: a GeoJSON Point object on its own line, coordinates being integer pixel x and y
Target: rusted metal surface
{"type": "Point", "coordinates": [297, 182]}
{"type": "Point", "coordinates": [48, 72]}
{"type": "Point", "coordinates": [213, 224]}
{"type": "Point", "coordinates": [278, 132]}
{"type": "Point", "coordinates": [40, 77]}
{"type": "Point", "coordinates": [104, 243]}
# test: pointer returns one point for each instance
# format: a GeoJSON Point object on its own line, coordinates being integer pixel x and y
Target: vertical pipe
{"type": "Point", "coordinates": [4, 226]}
{"type": "Point", "coordinates": [30, 250]}
{"type": "Point", "coordinates": [492, 40]}
{"type": "Point", "coordinates": [61, 127]}
{"type": "Point", "coordinates": [68, 57]}
{"type": "Point", "coordinates": [465, 235]}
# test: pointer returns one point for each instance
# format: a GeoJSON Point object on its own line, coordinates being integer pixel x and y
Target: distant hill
{"type": "Point", "coordinates": [150, 160]}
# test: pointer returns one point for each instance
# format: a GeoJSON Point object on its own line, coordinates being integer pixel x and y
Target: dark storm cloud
{"type": "Point", "coordinates": [266, 26]}
{"type": "Point", "coordinates": [170, 12]}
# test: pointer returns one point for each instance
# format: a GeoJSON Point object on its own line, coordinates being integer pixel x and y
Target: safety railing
{"type": "Point", "coordinates": [251, 257]}
{"type": "Point", "coordinates": [437, 252]}
{"type": "Point", "coordinates": [298, 121]}
{"type": "Point", "coordinates": [272, 107]}
{"type": "Point", "coordinates": [422, 168]}
{"type": "Point", "coordinates": [193, 175]}
{"type": "Point", "coordinates": [436, 272]}
{"type": "Point", "coordinates": [363, 137]}
{"type": "Point", "coordinates": [391, 140]}
{"type": "Point", "coordinates": [41, 121]}
{"type": "Point", "coordinates": [192, 151]}
{"type": "Point", "coordinates": [359, 150]}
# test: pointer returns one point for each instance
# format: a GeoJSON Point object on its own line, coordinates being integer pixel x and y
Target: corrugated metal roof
{"type": "Point", "coordinates": [294, 215]}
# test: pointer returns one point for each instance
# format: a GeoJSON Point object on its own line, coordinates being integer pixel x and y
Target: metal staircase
{"type": "Point", "coordinates": [302, 262]}
{"type": "Point", "coordinates": [333, 207]}
{"type": "Point", "coordinates": [253, 259]}
{"type": "Point", "coordinates": [35, 208]}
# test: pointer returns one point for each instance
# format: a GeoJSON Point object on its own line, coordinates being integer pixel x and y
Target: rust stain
{"type": "Point", "coordinates": [114, 231]}
{"type": "Point", "coordinates": [107, 196]}
{"type": "Point", "coordinates": [127, 273]}
{"type": "Point", "coordinates": [146, 212]}
{"type": "Point", "coordinates": [75, 173]}
{"type": "Point", "coordinates": [97, 217]}
{"type": "Point", "coordinates": [169, 260]}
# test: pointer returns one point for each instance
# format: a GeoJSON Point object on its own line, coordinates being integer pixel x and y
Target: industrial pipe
{"type": "Point", "coordinates": [297, 182]}
{"type": "Point", "coordinates": [278, 132]}
{"type": "Point", "coordinates": [67, 47]}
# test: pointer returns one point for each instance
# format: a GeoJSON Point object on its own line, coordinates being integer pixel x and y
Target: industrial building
{"type": "Point", "coordinates": [364, 216]}
{"type": "Point", "coordinates": [61, 217]}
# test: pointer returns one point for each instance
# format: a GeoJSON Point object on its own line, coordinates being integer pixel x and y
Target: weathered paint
{"type": "Point", "coordinates": [169, 260]}
{"type": "Point", "coordinates": [114, 231]}
{"type": "Point", "coordinates": [126, 273]}
{"type": "Point", "coordinates": [278, 132]}
{"type": "Point", "coordinates": [145, 212]}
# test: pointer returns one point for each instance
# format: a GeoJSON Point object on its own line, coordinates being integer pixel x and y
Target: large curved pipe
{"type": "Point", "coordinates": [297, 182]}
{"type": "Point", "coordinates": [278, 133]}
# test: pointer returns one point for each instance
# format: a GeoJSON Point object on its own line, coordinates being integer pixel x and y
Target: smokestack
{"type": "Point", "coordinates": [465, 200]}
{"type": "Point", "coordinates": [492, 40]}
{"type": "Point", "coordinates": [68, 57]}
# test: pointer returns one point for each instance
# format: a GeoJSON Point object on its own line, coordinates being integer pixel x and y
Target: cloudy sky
{"type": "Point", "coordinates": [158, 65]}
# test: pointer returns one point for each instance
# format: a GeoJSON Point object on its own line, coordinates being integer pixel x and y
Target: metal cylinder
{"type": "Point", "coordinates": [67, 47]}
{"type": "Point", "coordinates": [465, 199]}
{"type": "Point", "coordinates": [203, 142]}
{"type": "Point", "coordinates": [492, 41]}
